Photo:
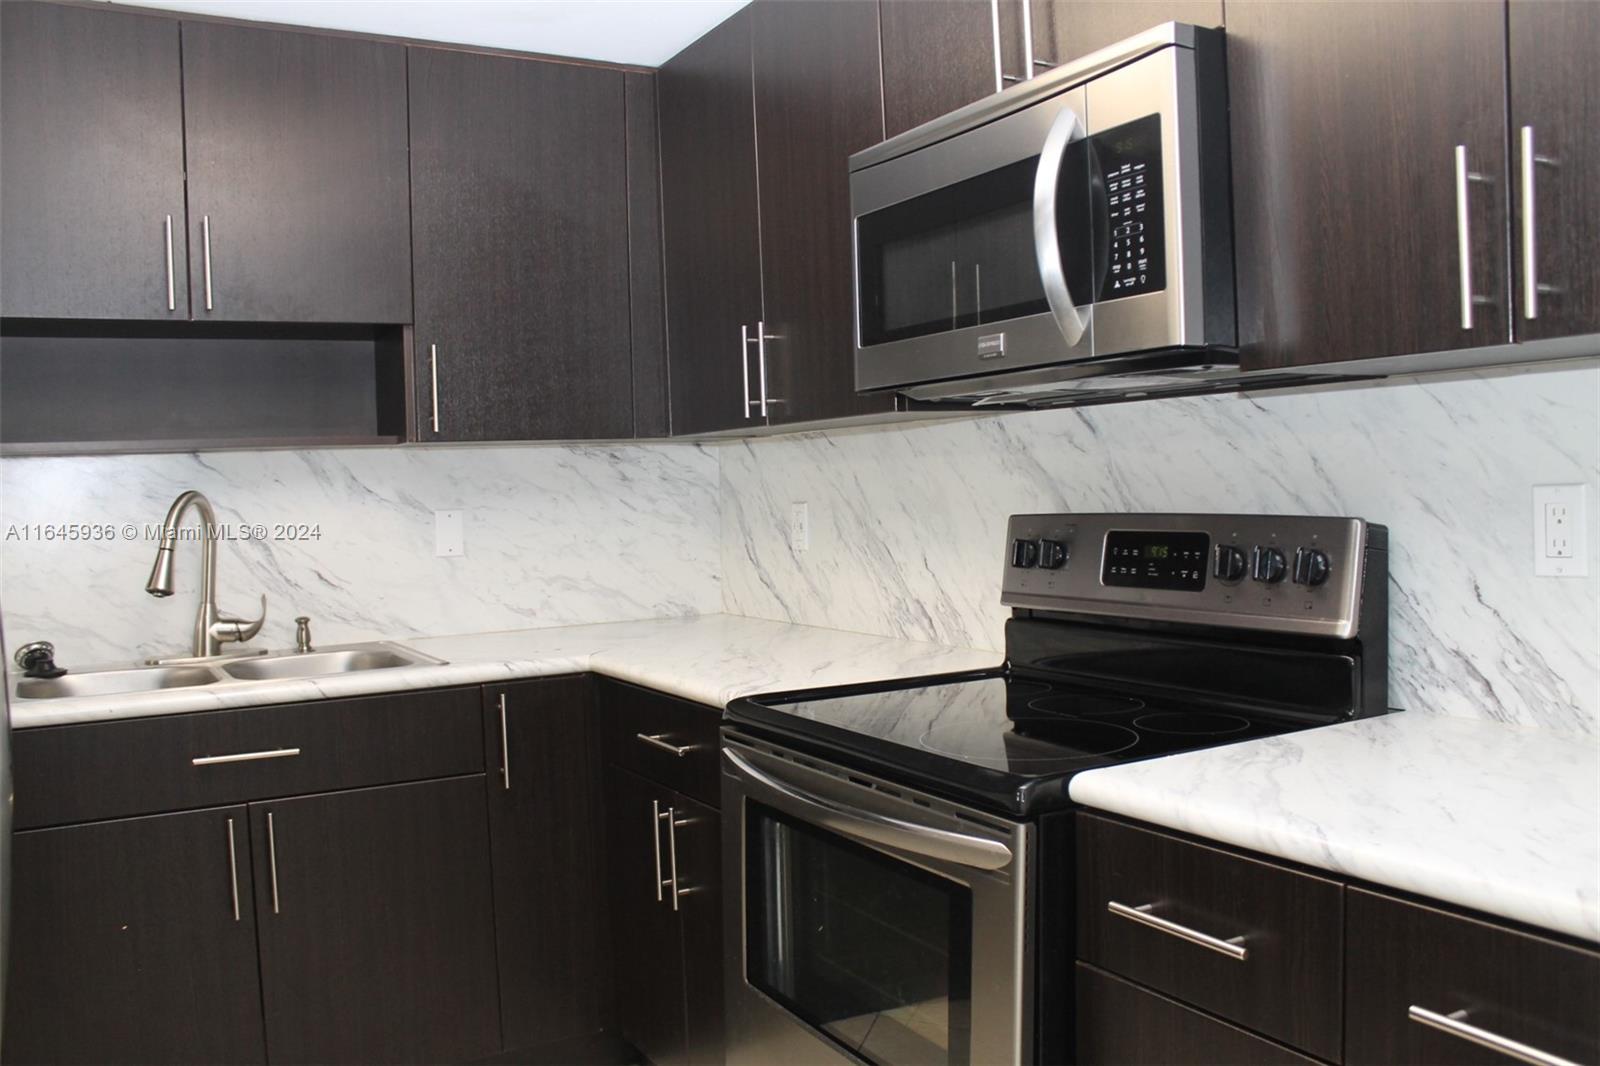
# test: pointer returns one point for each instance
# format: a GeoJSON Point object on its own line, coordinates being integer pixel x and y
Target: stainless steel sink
{"type": "Point", "coordinates": [110, 682]}
{"type": "Point", "coordinates": [343, 660]}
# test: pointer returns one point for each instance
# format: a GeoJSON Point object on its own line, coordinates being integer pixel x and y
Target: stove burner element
{"type": "Point", "coordinates": [1031, 743]}
{"type": "Point", "coordinates": [1085, 704]}
{"type": "Point", "coordinates": [1199, 724]}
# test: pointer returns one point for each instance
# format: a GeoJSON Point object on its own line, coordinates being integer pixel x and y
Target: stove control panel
{"type": "Point", "coordinates": [1293, 574]}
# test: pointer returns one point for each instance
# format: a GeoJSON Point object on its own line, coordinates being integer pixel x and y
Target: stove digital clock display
{"type": "Point", "coordinates": [1152, 559]}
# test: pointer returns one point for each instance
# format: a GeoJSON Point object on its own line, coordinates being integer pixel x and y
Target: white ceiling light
{"type": "Point", "coordinates": [645, 32]}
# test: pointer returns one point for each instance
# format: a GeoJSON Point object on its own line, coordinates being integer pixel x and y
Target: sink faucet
{"type": "Point", "coordinates": [212, 628]}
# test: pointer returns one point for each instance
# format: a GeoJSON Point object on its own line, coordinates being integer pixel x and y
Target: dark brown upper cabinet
{"type": "Point", "coordinates": [1555, 143]}
{"type": "Point", "coordinates": [1369, 169]}
{"type": "Point", "coordinates": [519, 187]}
{"type": "Point", "coordinates": [91, 164]}
{"type": "Point", "coordinates": [760, 314]}
{"type": "Point", "coordinates": [938, 55]}
{"type": "Point", "coordinates": [1064, 30]}
{"type": "Point", "coordinates": [296, 148]}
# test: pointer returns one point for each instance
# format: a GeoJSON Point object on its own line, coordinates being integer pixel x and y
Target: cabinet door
{"type": "Point", "coordinates": [1064, 30]}
{"type": "Point", "coordinates": [938, 55]}
{"type": "Point", "coordinates": [91, 164]}
{"type": "Point", "coordinates": [544, 820]}
{"type": "Point", "coordinates": [134, 941]}
{"type": "Point", "coordinates": [818, 99]}
{"type": "Point", "coordinates": [520, 199]}
{"type": "Point", "coordinates": [376, 924]}
{"type": "Point", "coordinates": [1555, 117]}
{"type": "Point", "coordinates": [711, 230]}
{"type": "Point", "coordinates": [694, 854]}
{"type": "Point", "coordinates": [1348, 120]}
{"type": "Point", "coordinates": [297, 173]}
{"type": "Point", "coordinates": [648, 958]}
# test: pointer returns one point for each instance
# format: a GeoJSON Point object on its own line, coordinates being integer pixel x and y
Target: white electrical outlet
{"type": "Point", "coordinates": [449, 538]}
{"type": "Point", "coordinates": [1560, 531]}
{"type": "Point", "coordinates": [800, 527]}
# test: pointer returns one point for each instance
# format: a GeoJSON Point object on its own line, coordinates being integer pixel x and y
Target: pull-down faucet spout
{"type": "Point", "coordinates": [212, 628]}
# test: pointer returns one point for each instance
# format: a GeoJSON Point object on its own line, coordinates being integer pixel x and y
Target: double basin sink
{"type": "Point", "coordinates": [328, 662]}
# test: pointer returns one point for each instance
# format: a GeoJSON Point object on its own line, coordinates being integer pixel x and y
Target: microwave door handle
{"type": "Point", "coordinates": [924, 840]}
{"type": "Point", "coordinates": [1072, 319]}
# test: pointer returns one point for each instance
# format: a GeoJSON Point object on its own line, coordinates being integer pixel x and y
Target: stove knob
{"type": "Point", "coordinates": [1311, 567]}
{"type": "Point", "coordinates": [1229, 564]}
{"type": "Point", "coordinates": [1267, 565]}
{"type": "Point", "coordinates": [1024, 553]}
{"type": "Point", "coordinates": [1052, 555]}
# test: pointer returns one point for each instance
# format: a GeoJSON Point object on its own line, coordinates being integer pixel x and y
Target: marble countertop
{"type": "Point", "coordinates": [709, 658]}
{"type": "Point", "coordinates": [1501, 819]}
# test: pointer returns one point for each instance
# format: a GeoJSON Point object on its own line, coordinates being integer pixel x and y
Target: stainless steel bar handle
{"type": "Point", "coordinates": [505, 748]}
{"type": "Point", "coordinates": [994, 25]}
{"type": "Point", "coordinates": [172, 294]}
{"type": "Point", "coordinates": [272, 860]}
{"type": "Point", "coordinates": [1233, 947]}
{"type": "Point", "coordinates": [1531, 289]}
{"type": "Point", "coordinates": [1027, 39]}
{"type": "Point", "coordinates": [1072, 320]}
{"type": "Point", "coordinates": [433, 382]}
{"type": "Point", "coordinates": [655, 842]}
{"type": "Point", "coordinates": [245, 756]}
{"type": "Point", "coordinates": [672, 852]}
{"type": "Point", "coordinates": [761, 354]}
{"type": "Point", "coordinates": [744, 366]}
{"type": "Point", "coordinates": [1464, 178]}
{"type": "Point", "coordinates": [1456, 1025]}
{"type": "Point", "coordinates": [205, 229]}
{"type": "Point", "coordinates": [233, 871]}
{"type": "Point", "coordinates": [659, 740]}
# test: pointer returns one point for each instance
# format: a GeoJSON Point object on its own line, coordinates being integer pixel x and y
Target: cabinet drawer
{"type": "Point", "coordinates": [1122, 1024]}
{"type": "Point", "coordinates": [670, 741]}
{"type": "Point", "coordinates": [1259, 944]}
{"type": "Point", "coordinates": [79, 773]}
{"type": "Point", "coordinates": [1510, 985]}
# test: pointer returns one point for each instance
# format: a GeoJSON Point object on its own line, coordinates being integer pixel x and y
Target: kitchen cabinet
{"type": "Point", "coordinates": [519, 174]}
{"type": "Point", "coordinates": [134, 941]}
{"type": "Point", "coordinates": [91, 164]}
{"type": "Point", "coordinates": [760, 310]}
{"type": "Point", "coordinates": [544, 803]}
{"type": "Point", "coordinates": [1064, 30]}
{"type": "Point", "coordinates": [1359, 129]}
{"type": "Point", "coordinates": [298, 191]}
{"type": "Point", "coordinates": [938, 55]}
{"type": "Point", "coordinates": [376, 924]}
{"type": "Point", "coordinates": [665, 849]}
{"type": "Point", "coordinates": [1555, 138]}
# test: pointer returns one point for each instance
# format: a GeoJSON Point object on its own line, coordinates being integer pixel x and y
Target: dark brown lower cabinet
{"type": "Point", "coordinates": [1123, 1024]}
{"type": "Point", "coordinates": [376, 924]}
{"type": "Point", "coordinates": [127, 944]}
{"type": "Point", "coordinates": [666, 905]}
{"type": "Point", "coordinates": [544, 821]}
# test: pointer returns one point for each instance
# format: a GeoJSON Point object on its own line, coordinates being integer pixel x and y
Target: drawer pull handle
{"type": "Point", "coordinates": [1456, 1025]}
{"type": "Point", "coordinates": [244, 756]}
{"type": "Point", "coordinates": [1233, 947]}
{"type": "Point", "coordinates": [659, 740]}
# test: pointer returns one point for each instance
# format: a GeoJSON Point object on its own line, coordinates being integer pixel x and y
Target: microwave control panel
{"type": "Point", "coordinates": [1130, 160]}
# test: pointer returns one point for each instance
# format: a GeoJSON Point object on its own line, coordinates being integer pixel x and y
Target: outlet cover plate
{"type": "Point", "coordinates": [449, 534]}
{"type": "Point", "coordinates": [1560, 531]}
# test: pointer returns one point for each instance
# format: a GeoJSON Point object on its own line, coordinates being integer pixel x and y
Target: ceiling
{"type": "Point", "coordinates": [645, 32]}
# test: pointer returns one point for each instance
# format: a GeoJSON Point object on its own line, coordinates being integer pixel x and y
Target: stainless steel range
{"type": "Point", "coordinates": [897, 857]}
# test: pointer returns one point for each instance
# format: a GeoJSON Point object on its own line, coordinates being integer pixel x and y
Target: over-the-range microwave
{"type": "Point", "coordinates": [1068, 238]}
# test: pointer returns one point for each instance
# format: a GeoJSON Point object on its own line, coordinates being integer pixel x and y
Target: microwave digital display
{"type": "Point", "coordinates": [1129, 158]}
{"type": "Point", "coordinates": [1155, 559]}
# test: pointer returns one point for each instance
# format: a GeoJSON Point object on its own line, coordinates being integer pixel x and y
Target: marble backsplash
{"type": "Point", "coordinates": [908, 524]}
{"type": "Point", "coordinates": [554, 536]}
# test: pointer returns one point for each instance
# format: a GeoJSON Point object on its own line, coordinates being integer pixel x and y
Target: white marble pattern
{"type": "Point", "coordinates": [554, 536]}
{"type": "Point", "coordinates": [907, 523]}
{"type": "Point", "coordinates": [1497, 818]}
{"type": "Point", "coordinates": [711, 659]}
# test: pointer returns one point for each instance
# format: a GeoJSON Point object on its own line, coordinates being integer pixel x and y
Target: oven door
{"type": "Point", "coordinates": [869, 924]}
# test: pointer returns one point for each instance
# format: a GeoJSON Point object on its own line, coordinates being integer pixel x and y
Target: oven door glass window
{"type": "Point", "coordinates": [871, 951]}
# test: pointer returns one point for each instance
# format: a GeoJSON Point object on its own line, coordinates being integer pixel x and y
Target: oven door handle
{"type": "Point", "coordinates": [1072, 319]}
{"type": "Point", "coordinates": [867, 826]}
